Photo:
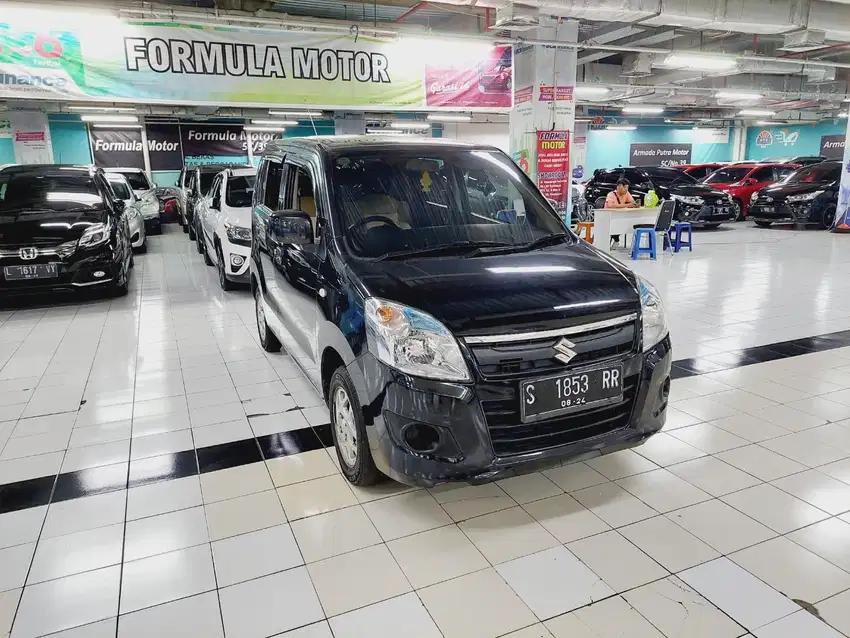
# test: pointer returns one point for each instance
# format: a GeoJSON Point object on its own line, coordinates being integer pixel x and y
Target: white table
{"type": "Point", "coordinates": [619, 221]}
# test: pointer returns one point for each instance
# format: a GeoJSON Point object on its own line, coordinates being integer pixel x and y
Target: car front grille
{"type": "Point", "coordinates": [503, 365]}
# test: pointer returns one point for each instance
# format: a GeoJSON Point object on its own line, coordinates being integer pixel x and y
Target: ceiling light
{"type": "Point", "coordinates": [109, 118]}
{"type": "Point", "coordinates": [843, 115]}
{"type": "Point", "coordinates": [383, 131]}
{"type": "Point", "coordinates": [643, 109]}
{"type": "Point", "coordinates": [136, 126]}
{"type": "Point", "coordinates": [275, 122]}
{"type": "Point", "coordinates": [620, 127]}
{"type": "Point", "coordinates": [757, 112]}
{"type": "Point", "coordinates": [265, 129]}
{"type": "Point", "coordinates": [584, 119]}
{"type": "Point", "coordinates": [115, 109]}
{"type": "Point", "coordinates": [592, 90]}
{"type": "Point", "coordinates": [449, 117]}
{"type": "Point", "coordinates": [403, 124]}
{"type": "Point", "coordinates": [734, 95]}
{"type": "Point", "coordinates": [767, 123]}
{"type": "Point", "coordinates": [699, 62]}
{"type": "Point", "coordinates": [296, 113]}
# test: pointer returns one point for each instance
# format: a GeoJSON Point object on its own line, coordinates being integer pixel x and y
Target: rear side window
{"type": "Point", "coordinates": [763, 174]}
{"type": "Point", "coordinates": [271, 184]}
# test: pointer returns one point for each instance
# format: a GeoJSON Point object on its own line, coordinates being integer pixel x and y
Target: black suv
{"type": "Point", "coordinates": [695, 202]}
{"type": "Point", "coordinates": [809, 195]}
{"type": "Point", "coordinates": [61, 227]}
{"type": "Point", "coordinates": [197, 182]}
{"type": "Point", "coordinates": [453, 336]}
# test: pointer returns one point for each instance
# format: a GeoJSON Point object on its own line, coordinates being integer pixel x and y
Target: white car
{"type": "Point", "coordinates": [224, 218]}
{"type": "Point", "coordinates": [121, 188]}
{"type": "Point", "coordinates": [144, 191]}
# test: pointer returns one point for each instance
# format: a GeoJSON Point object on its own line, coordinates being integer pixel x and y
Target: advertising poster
{"type": "Point", "coordinates": [5, 129]}
{"type": "Point", "coordinates": [477, 82]}
{"type": "Point", "coordinates": [104, 57]}
{"type": "Point", "coordinates": [112, 148]}
{"type": "Point", "coordinates": [842, 223]}
{"type": "Point", "coordinates": [553, 166]}
{"type": "Point", "coordinates": [31, 137]}
{"type": "Point", "coordinates": [164, 148]}
{"type": "Point", "coordinates": [653, 154]}
{"type": "Point", "coordinates": [832, 146]}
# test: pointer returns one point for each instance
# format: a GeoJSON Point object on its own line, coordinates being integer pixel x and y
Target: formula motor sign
{"type": "Point", "coordinates": [112, 148]}
{"type": "Point", "coordinates": [659, 154]}
{"type": "Point", "coordinates": [553, 166]}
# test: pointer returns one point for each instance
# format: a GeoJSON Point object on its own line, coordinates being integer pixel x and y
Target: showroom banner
{"type": "Point", "coordinates": [659, 154]}
{"type": "Point", "coordinates": [31, 137]}
{"type": "Point", "coordinates": [164, 148]}
{"type": "Point", "coordinates": [140, 61]}
{"type": "Point", "coordinates": [553, 166]}
{"type": "Point", "coordinates": [832, 146]}
{"type": "Point", "coordinates": [117, 147]}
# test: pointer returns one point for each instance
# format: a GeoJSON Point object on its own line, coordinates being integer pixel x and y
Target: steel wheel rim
{"type": "Point", "coordinates": [344, 427]}
{"type": "Point", "coordinates": [221, 276]}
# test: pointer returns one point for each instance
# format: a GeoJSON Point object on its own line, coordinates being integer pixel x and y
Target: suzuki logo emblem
{"type": "Point", "coordinates": [565, 355]}
{"type": "Point", "coordinates": [28, 253]}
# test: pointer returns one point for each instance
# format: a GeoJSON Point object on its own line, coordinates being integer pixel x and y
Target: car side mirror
{"type": "Point", "coordinates": [216, 202]}
{"type": "Point", "coordinates": [119, 207]}
{"type": "Point", "coordinates": [291, 227]}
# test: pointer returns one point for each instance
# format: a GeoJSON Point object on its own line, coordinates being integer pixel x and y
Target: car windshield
{"type": "Point", "coordinates": [816, 173]}
{"type": "Point", "coordinates": [120, 188]}
{"type": "Point", "coordinates": [404, 202]}
{"type": "Point", "coordinates": [240, 191]}
{"type": "Point", "coordinates": [47, 192]}
{"type": "Point", "coordinates": [138, 181]}
{"type": "Point", "coordinates": [206, 182]}
{"type": "Point", "coordinates": [669, 176]}
{"type": "Point", "coordinates": [728, 175]}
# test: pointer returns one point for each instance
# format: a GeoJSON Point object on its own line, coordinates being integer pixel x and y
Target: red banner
{"type": "Point", "coordinates": [553, 166]}
{"type": "Point", "coordinates": [489, 83]}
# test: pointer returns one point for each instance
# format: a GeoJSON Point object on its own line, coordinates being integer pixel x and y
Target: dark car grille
{"type": "Point", "coordinates": [502, 366]}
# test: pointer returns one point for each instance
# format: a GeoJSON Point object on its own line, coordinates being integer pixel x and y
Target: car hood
{"type": "Point", "coordinates": [45, 227]}
{"type": "Point", "coordinates": [694, 190]}
{"type": "Point", "coordinates": [501, 293]}
{"type": "Point", "coordinates": [793, 188]}
{"type": "Point", "coordinates": [238, 216]}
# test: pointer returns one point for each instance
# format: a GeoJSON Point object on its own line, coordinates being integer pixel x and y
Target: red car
{"type": "Point", "coordinates": [742, 180]}
{"type": "Point", "coordinates": [699, 171]}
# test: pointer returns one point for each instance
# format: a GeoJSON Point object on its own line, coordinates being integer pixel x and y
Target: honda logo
{"type": "Point", "coordinates": [565, 354]}
{"type": "Point", "coordinates": [28, 253]}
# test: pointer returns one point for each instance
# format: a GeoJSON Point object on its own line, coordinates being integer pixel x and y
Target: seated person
{"type": "Point", "coordinates": [620, 198]}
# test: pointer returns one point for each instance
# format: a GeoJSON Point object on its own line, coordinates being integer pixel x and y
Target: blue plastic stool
{"type": "Point", "coordinates": [638, 250]}
{"type": "Point", "coordinates": [678, 240]}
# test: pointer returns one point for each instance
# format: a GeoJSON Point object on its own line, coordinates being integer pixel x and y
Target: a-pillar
{"type": "Point", "coordinates": [842, 217]}
{"type": "Point", "coordinates": [543, 115]}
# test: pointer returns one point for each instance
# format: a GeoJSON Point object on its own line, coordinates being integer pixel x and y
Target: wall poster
{"type": "Point", "coordinates": [553, 166]}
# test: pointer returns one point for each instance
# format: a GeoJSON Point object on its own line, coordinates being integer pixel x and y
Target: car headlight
{"type": "Point", "coordinates": [413, 342]}
{"type": "Point", "coordinates": [804, 197]}
{"type": "Point", "coordinates": [149, 209]}
{"type": "Point", "coordinates": [66, 249]}
{"type": "Point", "coordinates": [132, 212]}
{"type": "Point", "coordinates": [688, 199]}
{"type": "Point", "coordinates": [237, 233]}
{"type": "Point", "coordinates": [654, 318]}
{"type": "Point", "coordinates": [754, 197]}
{"type": "Point", "coordinates": [95, 235]}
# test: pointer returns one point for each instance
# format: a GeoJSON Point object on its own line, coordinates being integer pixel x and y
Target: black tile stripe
{"type": "Point", "coordinates": [47, 489]}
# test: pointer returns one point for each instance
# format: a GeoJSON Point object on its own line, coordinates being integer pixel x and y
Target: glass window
{"type": "Point", "coordinates": [817, 173]}
{"type": "Point", "coordinates": [271, 187]}
{"type": "Point", "coordinates": [49, 192]}
{"type": "Point", "coordinates": [667, 176]}
{"type": "Point", "coordinates": [728, 175]}
{"type": "Point", "coordinates": [120, 188]}
{"type": "Point", "coordinates": [206, 182]}
{"type": "Point", "coordinates": [763, 174]}
{"type": "Point", "coordinates": [781, 172]}
{"type": "Point", "coordinates": [138, 181]}
{"type": "Point", "coordinates": [402, 201]}
{"type": "Point", "coordinates": [240, 191]}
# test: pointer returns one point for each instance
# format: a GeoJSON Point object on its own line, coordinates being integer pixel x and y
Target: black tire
{"type": "Point", "coordinates": [712, 226]}
{"type": "Point", "coordinates": [199, 242]}
{"type": "Point", "coordinates": [363, 472]}
{"type": "Point", "coordinates": [268, 340]}
{"type": "Point", "coordinates": [827, 218]}
{"type": "Point", "coordinates": [739, 210]}
{"type": "Point", "coordinates": [206, 252]}
{"type": "Point", "coordinates": [141, 250]}
{"type": "Point", "coordinates": [762, 224]}
{"type": "Point", "coordinates": [191, 231]}
{"type": "Point", "coordinates": [120, 288]}
{"type": "Point", "coordinates": [185, 227]}
{"type": "Point", "coordinates": [132, 260]}
{"type": "Point", "coordinates": [223, 281]}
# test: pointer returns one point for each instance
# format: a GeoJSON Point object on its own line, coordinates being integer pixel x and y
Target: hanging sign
{"type": "Point", "coordinates": [657, 154]}
{"type": "Point", "coordinates": [112, 148]}
{"type": "Point", "coordinates": [164, 147]}
{"type": "Point", "coordinates": [832, 146]}
{"type": "Point", "coordinates": [553, 166]}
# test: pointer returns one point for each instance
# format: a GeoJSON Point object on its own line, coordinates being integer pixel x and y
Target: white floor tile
{"type": "Point", "coordinates": [621, 464]}
{"type": "Point", "coordinates": [163, 497]}
{"type": "Point", "coordinates": [713, 475]}
{"type": "Point", "coordinates": [14, 564]}
{"type": "Point", "coordinates": [662, 490]}
{"type": "Point", "coordinates": [76, 553]}
{"type": "Point", "coordinates": [613, 504]}
{"type": "Point", "coordinates": [255, 554]}
{"type": "Point", "coordinates": [565, 518]}
{"type": "Point", "coordinates": [712, 521]}
{"type": "Point", "coordinates": [530, 487]}
{"type": "Point", "coordinates": [236, 481]}
{"type": "Point", "coordinates": [22, 526]}
{"type": "Point", "coordinates": [435, 556]}
{"type": "Point", "coordinates": [165, 533]}
{"type": "Point", "coordinates": [610, 618]}
{"type": "Point", "coordinates": [316, 497]}
{"type": "Point", "coordinates": [798, 624]}
{"type": "Point", "coordinates": [836, 612]}
{"type": "Point", "coordinates": [709, 438]}
{"type": "Point", "coordinates": [617, 561]}
{"type": "Point", "coordinates": [670, 545]}
{"type": "Point", "coordinates": [463, 501]}
{"type": "Point", "coordinates": [406, 514]}
{"type": "Point", "coordinates": [297, 468]}
{"type": "Point", "coordinates": [760, 462]}
{"type": "Point", "coordinates": [196, 615]}
{"type": "Point", "coordinates": [334, 533]}
{"type": "Point", "coordinates": [574, 476]}
{"type": "Point", "coordinates": [80, 514]}
{"type": "Point", "coordinates": [401, 616]}
{"type": "Point", "coordinates": [244, 514]}
{"type": "Point", "coordinates": [822, 491]}
{"type": "Point", "coordinates": [506, 535]}
{"type": "Point", "coordinates": [771, 506]}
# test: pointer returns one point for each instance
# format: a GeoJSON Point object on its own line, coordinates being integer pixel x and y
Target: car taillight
{"type": "Point", "coordinates": [170, 206]}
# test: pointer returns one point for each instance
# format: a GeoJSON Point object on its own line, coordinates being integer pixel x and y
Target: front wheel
{"type": "Point", "coordinates": [269, 342]}
{"type": "Point", "coordinates": [738, 207]}
{"type": "Point", "coordinates": [223, 281]}
{"type": "Point", "coordinates": [191, 231]}
{"type": "Point", "coordinates": [349, 431]}
{"type": "Point", "coordinates": [712, 226]}
{"type": "Point", "coordinates": [827, 218]}
{"type": "Point", "coordinates": [199, 241]}
{"type": "Point", "coordinates": [761, 224]}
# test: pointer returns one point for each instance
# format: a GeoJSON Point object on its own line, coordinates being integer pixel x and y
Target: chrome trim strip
{"type": "Point", "coordinates": [550, 334]}
{"type": "Point", "coordinates": [92, 283]}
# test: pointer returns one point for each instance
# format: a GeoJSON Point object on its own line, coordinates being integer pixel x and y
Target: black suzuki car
{"type": "Point", "coordinates": [809, 195]}
{"type": "Point", "coordinates": [695, 202]}
{"type": "Point", "coordinates": [451, 340]}
{"type": "Point", "coordinates": [61, 227]}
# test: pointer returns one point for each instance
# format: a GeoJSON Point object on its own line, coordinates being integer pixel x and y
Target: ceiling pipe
{"type": "Point", "coordinates": [411, 11]}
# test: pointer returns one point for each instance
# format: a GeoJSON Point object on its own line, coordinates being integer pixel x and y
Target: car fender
{"type": "Point", "coordinates": [330, 336]}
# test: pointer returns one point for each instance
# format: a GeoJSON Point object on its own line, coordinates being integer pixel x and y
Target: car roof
{"type": "Point", "coordinates": [123, 169]}
{"type": "Point", "coordinates": [242, 170]}
{"type": "Point", "coordinates": [53, 169]}
{"type": "Point", "coordinates": [338, 143]}
{"type": "Point", "coordinates": [218, 168]}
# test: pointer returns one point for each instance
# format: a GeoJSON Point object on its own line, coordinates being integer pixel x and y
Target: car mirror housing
{"type": "Point", "coordinates": [216, 202]}
{"type": "Point", "coordinates": [291, 227]}
{"type": "Point", "coordinates": [119, 206]}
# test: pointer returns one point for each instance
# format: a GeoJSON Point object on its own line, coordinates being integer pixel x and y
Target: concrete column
{"type": "Point", "coordinates": [543, 116]}
{"type": "Point", "coordinates": [842, 216]}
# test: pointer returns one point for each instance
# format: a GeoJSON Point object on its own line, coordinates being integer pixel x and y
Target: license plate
{"type": "Point", "coordinates": [35, 271]}
{"type": "Point", "coordinates": [767, 209]}
{"type": "Point", "coordinates": [545, 398]}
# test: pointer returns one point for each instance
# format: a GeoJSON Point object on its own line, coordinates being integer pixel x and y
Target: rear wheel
{"type": "Point", "coordinates": [199, 241]}
{"type": "Point", "coordinates": [191, 231]}
{"type": "Point", "coordinates": [141, 250]}
{"type": "Point", "coordinates": [761, 224]}
{"type": "Point", "coordinates": [349, 431]}
{"type": "Point", "coordinates": [269, 342]}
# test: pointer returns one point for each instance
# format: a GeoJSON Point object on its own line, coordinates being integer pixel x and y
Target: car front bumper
{"type": "Point", "coordinates": [394, 402]}
{"type": "Point", "coordinates": [705, 214]}
{"type": "Point", "coordinates": [153, 224]}
{"type": "Point", "coordinates": [236, 272]}
{"type": "Point", "coordinates": [76, 272]}
{"type": "Point", "coordinates": [788, 213]}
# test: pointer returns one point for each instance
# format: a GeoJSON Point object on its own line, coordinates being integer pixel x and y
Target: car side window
{"type": "Point", "coordinates": [299, 193]}
{"type": "Point", "coordinates": [272, 184]}
{"type": "Point", "coordinates": [762, 174]}
{"type": "Point", "coordinates": [781, 172]}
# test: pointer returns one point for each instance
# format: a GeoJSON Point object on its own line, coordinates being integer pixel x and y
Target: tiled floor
{"type": "Point", "coordinates": [160, 476]}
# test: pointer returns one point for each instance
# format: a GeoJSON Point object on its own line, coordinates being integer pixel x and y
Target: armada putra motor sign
{"type": "Point", "coordinates": [832, 146]}
{"type": "Point", "coordinates": [659, 154]}
{"type": "Point", "coordinates": [155, 62]}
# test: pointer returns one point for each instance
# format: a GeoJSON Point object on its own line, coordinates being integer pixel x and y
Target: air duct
{"type": "Point", "coordinates": [517, 17]}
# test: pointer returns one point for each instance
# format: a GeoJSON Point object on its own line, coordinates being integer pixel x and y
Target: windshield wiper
{"type": "Point", "coordinates": [442, 250]}
{"type": "Point", "coordinates": [540, 242]}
